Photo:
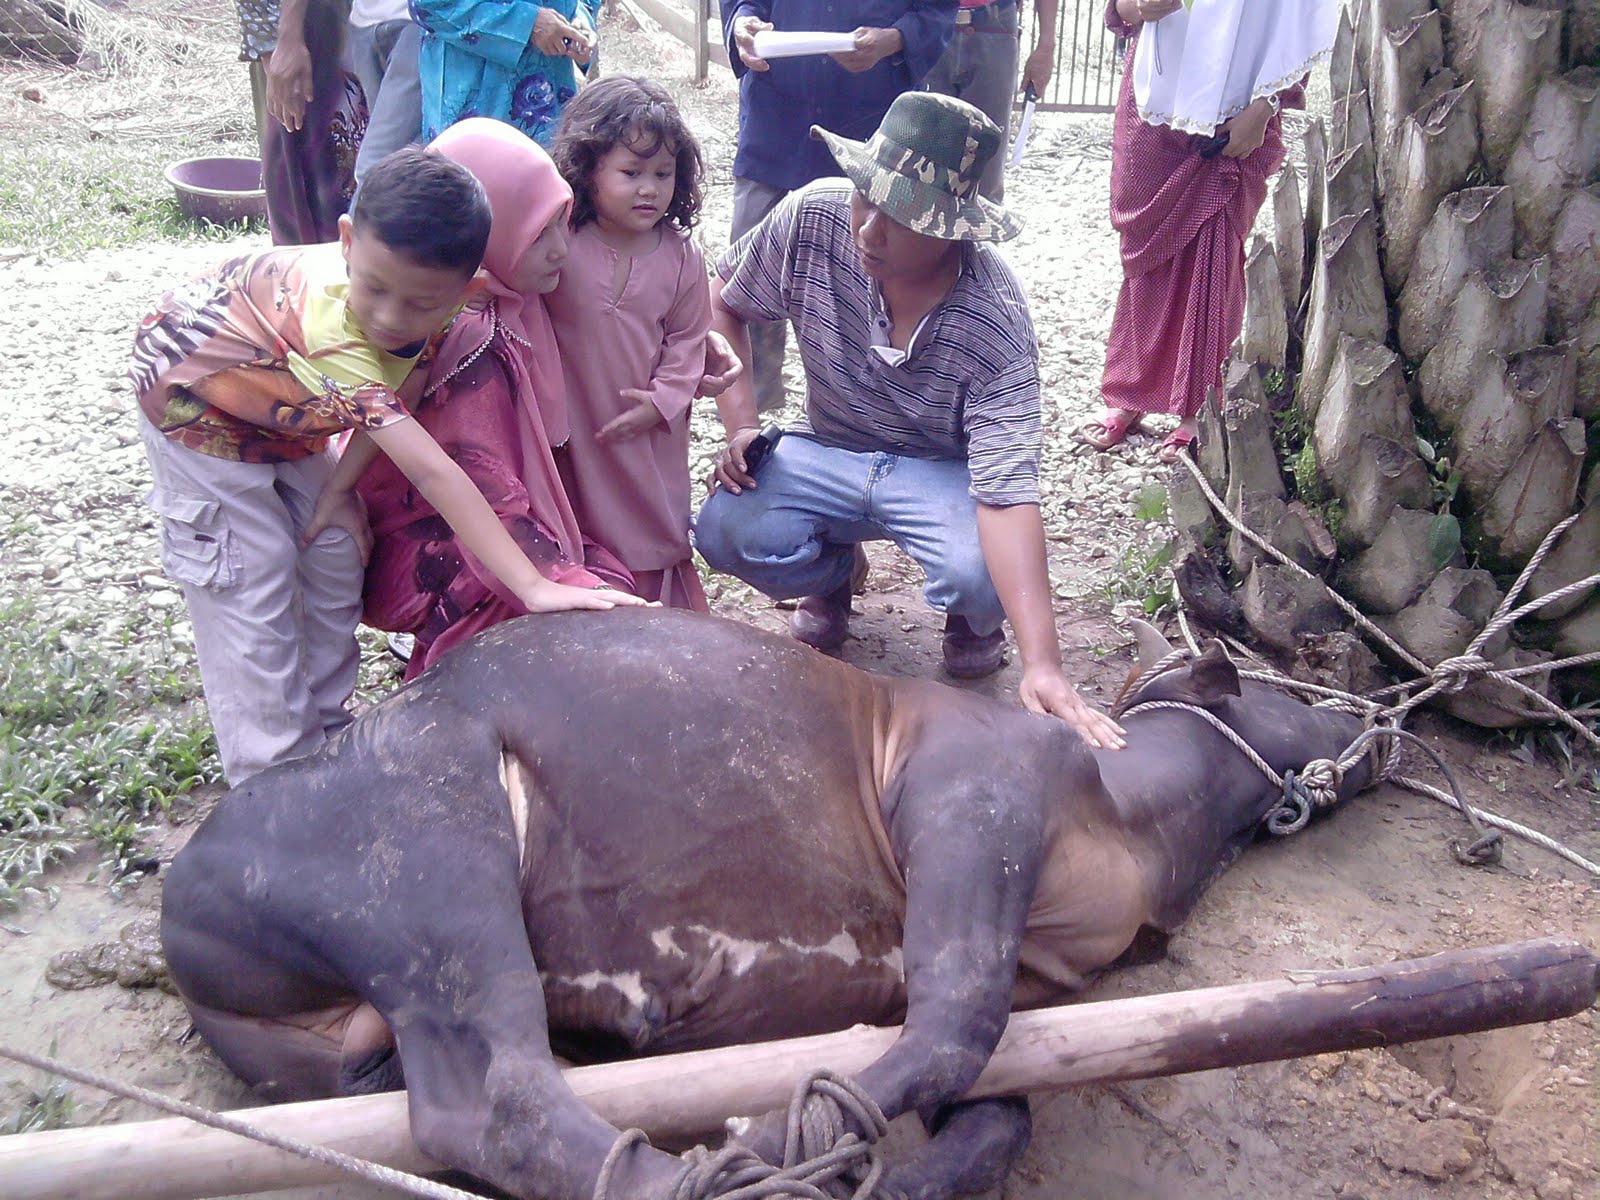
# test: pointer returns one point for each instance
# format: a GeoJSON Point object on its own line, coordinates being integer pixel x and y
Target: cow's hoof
{"type": "Point", "coordinates": [822, 621]}
{"type": "Point", "coordinates": [969, 655]}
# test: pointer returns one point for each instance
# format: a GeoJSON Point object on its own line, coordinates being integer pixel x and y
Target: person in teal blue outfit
{"type": "Point", "coordinates": [514, 60]}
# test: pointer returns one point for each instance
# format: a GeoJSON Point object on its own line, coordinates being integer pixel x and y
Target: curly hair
{"type": "Point", "coordinates": [624, 110]}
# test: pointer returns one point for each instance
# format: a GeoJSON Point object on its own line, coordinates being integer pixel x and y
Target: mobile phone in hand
{"type": "Point", "coordinates": [759, 448]}
{"type": "Point", "coordinates": [1212, 146]}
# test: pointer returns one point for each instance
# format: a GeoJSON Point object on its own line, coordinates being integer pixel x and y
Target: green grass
{"type": "Point", "coordinates": [1143, 574]}
{"type": "Point", "coordinates": [92, 742]}
{"type": "Point", "coordinates": [38, 1109]}
{"type": "Point", "coordinates": [57, 198]}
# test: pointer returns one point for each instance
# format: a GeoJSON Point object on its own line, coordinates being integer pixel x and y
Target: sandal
{"type": "Point", "coordinates": [1173, 445]}
{"type": "Point", "coordinates": [1110, 428]}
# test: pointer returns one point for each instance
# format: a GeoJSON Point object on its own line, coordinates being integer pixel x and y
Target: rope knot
{"type": "Point", "coordinates": [1457, 674]}
{"type": "Point", "coordinates": [1320, 779]}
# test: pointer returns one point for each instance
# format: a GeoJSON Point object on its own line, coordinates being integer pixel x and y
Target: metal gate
{"type": "Point", "coordinates": [1088, 59]}
{"type": "Point", "coordinates": [1088, 55]}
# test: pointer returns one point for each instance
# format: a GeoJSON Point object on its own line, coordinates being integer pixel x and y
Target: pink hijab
{"type": "Point", "coordinates": [525, 192]}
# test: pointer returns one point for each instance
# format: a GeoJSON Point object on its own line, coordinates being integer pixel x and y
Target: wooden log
{"type": "Point", "coordinates": [1264, 336]}
{"type": "Point", "coordinates": [1583, 33]}
{"type": "Point", "coordinates": [1391, 573]}
{"type": "Point", "coordinates": [1520, 45]}
{"type": "Point", "coordinates": [1465, 21]}
{"type": "Point", "coordinates": [1380, 17]}
{"type": "Point", "coordinates": [1247, 431]}
{"type": "Point", "coordinates": [1471, 230]}
{"type": "Point", "coordinates": [1388, 476]}
{"type": "Point", "coordinates": [1304, 1013]}
{"type": "Point", "coordinates": [1586, 349]}
{"type": "Point", "coordinates": [1289, 237]}
{"type": "Point", "coordinates": [1431, 156]}
{"type": "Point", "coordinates": [1558, 150]}
{"type": "Point", "coordinates": [1497, 311]}
{"type": "Point", "coordinates": [1347, 298]}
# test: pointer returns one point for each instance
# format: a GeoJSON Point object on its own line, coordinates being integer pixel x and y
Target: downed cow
{"type": "Point", "coordinates": [649, 831]}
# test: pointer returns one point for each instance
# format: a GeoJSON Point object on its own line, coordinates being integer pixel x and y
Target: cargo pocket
{"type": "Point", "coordinates": [196, 545]}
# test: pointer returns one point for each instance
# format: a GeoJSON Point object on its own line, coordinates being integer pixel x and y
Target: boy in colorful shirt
{"type": "Point", "coordinates": [243, 378]}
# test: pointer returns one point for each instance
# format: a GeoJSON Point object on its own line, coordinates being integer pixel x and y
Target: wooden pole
{"type": "Point", "coordinates": [1305, 1012]}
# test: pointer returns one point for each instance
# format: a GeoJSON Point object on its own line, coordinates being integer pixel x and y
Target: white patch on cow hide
{"type": "Point", "coordinates": [665, 943]}
{"type": "Point", "coordinates": [741, 954]}
{"type": "Point", "coordinates": [629, 985]}
{"type": "Point", "coordinates": [516, 789]}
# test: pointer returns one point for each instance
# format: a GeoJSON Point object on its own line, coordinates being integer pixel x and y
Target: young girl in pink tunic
{"type": "Point", "coordinates": [630, 315]}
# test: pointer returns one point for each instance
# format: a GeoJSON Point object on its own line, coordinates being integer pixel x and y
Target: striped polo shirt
{"type": "Point", "coordinates": [967, 389]}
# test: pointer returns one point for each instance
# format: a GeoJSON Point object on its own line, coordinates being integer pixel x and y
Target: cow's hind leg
{"type": "Point", "coordinates": [973, 1146]}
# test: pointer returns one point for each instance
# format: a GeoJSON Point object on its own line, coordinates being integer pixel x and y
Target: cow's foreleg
{"type": "Point", "coordinates": [972, 1148]}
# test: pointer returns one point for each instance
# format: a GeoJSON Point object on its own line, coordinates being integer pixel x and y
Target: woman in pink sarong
{"type": "Point", "coordinates": [1197, 136]}
{"type": "Point", "coordinates": [496, 402]}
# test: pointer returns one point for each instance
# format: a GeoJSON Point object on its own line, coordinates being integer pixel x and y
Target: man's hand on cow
{"type": "Point", "coordinates": [873, 45]}
{"type": "Point", "coordinates": [1046, 690]}
{"type": "Point", "coordinates": [722, 367]}
{"type": "Point", "coordinates": [744, 41]}
{"type": "Point", "coordinates": [339, 509]}
{"type": "Point", "coordinates": [730, 471]}
{"type": "Point", "coordinates": [640, 418]}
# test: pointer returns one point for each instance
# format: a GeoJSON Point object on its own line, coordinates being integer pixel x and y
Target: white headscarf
{"type": "Point", "coordinates": [1206, 62]}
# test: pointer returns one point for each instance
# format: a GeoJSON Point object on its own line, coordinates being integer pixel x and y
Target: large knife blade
{"type": "Point", "coordinates": [1030, 101]}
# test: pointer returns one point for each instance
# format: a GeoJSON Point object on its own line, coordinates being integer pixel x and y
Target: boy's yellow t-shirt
{"type": "Point", "coordinates": [261, 361]}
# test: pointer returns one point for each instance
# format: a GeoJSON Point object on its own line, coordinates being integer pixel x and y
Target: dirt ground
{"type": "Point", "coordinates": [1510, 1113]}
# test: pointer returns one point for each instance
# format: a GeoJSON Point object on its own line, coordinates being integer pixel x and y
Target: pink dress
{"type": "Point", "coordinates": [1183, 220]}
{"type": "Point", "coordinates": [632, 496]}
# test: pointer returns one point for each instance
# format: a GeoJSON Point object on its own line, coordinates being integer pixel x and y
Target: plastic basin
{"type": "Point", "coordinates": [219, 189]}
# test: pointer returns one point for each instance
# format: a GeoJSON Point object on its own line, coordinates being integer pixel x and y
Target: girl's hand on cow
{"type": "Point", "coordinates": [1247, 130]}
{"type": "Point", "coordinates": [722, 367]}
{"type": "Point", "coordinates": [1045, 690]}
{"type": "Point", "coordinates": [549, 596]}
{"type": "Point", "coordinates": [639, 419]}
{"type": "Point", "coordinates": [730, 471]}
{"type": "Point", "coordinates": [1138, 12]}
{"type": "Point", "coordinates": [339, 509]}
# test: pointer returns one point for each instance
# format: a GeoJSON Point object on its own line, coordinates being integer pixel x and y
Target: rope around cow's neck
{"type": "Point", "coordinates": [1371, 712]}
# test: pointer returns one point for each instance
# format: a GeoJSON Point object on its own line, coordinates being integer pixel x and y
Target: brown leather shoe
{"type": "Point", "coordinates": [822, 621]}
{"type": "Point", "coordinates": [969, 655]}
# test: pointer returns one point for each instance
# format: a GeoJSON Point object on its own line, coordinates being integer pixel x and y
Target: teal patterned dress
{"type": "Point", "coordinates": [477, 61]}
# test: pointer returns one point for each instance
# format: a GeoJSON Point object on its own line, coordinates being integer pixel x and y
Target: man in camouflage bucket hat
{"type": "Point", "coordinates": [922, 421]}
{"type": "Point", "coordinates": [923, 166]}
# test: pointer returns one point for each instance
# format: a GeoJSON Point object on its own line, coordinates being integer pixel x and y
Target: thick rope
{"type": "Point", "coordinates": [400, 1181]}
{"type": "Point", "coordinates": [1457, 673]}
{"type": "Point", "coordinates": [824, 1158]}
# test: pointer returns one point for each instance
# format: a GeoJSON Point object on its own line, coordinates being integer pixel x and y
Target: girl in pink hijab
{"type": "Point", "coordinates": [496, 402]}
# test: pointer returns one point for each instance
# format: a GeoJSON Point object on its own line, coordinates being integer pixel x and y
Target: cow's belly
{"type": "Point", "coordinates": [693, 985]}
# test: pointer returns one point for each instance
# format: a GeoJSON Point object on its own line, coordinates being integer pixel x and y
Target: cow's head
{"type": "Point", "coordinates": [1286, 732]}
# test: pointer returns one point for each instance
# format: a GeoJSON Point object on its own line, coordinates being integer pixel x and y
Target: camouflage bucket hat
{"type": "Point", "coordinates": [922, 168]}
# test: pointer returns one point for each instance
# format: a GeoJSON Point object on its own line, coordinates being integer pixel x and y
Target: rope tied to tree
{"type": "Point", "coordinates": [824, 1155]}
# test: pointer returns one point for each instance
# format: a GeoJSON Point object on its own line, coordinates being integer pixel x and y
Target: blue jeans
{"type": "Point", "coordinates": [384, 58]}
{"type": "Point", "coordinates": [794, 534]}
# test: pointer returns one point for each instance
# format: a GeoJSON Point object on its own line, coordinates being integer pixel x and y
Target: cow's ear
{"type": "Point", "coordinates": [1210, 679]}
{"type": "Point", "coordinates": [1153, 646]}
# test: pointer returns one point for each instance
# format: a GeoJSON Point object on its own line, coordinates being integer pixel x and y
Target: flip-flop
{"type": "Point", "coordinates": [1173, 445]}
{"type": "Point", "coordinates": [1109, 429]}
